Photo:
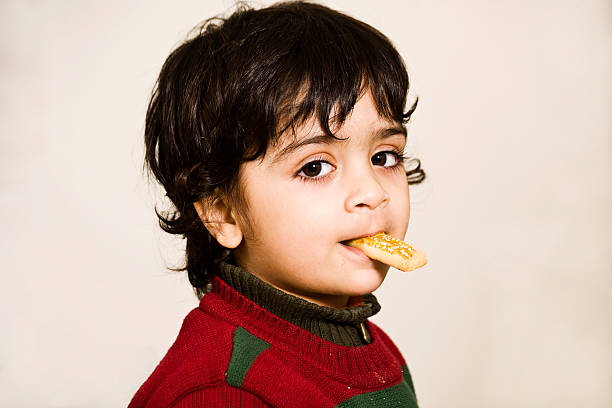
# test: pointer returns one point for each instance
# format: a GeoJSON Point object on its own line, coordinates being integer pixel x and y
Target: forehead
{"type": "Point", "coordinates": [364, 112]}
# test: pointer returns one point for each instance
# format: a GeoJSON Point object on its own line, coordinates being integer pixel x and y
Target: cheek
{"type": "Point", "coordinates": [277, 212]}
{"type": "Point", "coordinates": [400, 203]}
{"type": "Point", "coordinates": [296, 218]}
{"type": "Point", "coordinates": [406, 205]}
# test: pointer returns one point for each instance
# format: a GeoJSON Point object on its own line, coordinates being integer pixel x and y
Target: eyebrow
{"type": "Point", "coordinates": [380, 134]}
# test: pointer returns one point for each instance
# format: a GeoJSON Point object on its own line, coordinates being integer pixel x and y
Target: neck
{"type": "Point", "coordinates": [340, 325]}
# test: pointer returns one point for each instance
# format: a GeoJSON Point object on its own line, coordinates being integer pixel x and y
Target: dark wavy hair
{"type": "Point", "coordinates": [237, 83]}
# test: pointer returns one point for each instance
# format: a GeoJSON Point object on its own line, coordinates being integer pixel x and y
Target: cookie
{"type": "Point", "coordinates": [391, 251]}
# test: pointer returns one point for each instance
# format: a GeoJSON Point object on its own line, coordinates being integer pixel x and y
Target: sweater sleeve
{"type": "Point", "coordinates": [221, 395]}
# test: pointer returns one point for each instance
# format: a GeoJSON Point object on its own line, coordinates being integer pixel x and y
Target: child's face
{"type": "Point", "coordinates": [306, 201]}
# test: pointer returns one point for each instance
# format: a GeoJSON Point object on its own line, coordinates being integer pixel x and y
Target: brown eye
{"type": "Point", "coordinates": [385, 159]}
{"type": "Point", "coordinates": [312, 169]}
{"type": "Point", "coordinates": [316, 169]}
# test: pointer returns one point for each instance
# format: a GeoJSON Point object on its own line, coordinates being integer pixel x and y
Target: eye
{"type": "Point", "coordinates": [316, 169]}
{"type": "Point", "coordinates": [386, 159]}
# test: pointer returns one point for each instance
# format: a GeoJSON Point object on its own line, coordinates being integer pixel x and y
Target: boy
{"type": "Point", "coordinates": [278, 135]}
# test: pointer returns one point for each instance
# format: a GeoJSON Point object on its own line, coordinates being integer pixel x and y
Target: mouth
{"type": "Point", "coordinates": [346, 241]}
{"type": "Point", "coordinates": [355, 253]}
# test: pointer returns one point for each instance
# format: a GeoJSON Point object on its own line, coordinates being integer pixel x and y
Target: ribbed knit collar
{"type": "Point", "coordinates": [340, 326]}
{"type": "Point", "coordinates": [365, 367]}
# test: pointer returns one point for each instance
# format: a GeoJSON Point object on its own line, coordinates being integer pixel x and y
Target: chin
{"type": "Point", "coordinates": [362, 284]}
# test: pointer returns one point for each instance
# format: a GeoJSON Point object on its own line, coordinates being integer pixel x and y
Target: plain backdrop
{"type": "Point", "coordinates": [514, 130]}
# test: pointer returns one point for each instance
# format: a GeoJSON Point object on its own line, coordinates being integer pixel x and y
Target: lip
{"type": "Point", "coordinates": [356, 253]}
{"type": "Point", "coordinates": [368, 234]}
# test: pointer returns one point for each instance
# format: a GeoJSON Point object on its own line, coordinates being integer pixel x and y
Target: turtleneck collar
{"type": "Point", "coordinates": [340, 326]}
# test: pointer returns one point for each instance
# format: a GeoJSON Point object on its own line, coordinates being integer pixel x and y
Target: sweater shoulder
{"type": "Point", "coordinates": [196, 362]}
{"type": "Point", "coordinates": [407, 376]}
{"type": "Point", "coordinates": [381, 335]}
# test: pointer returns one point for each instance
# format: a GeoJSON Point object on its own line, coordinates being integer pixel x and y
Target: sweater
{"type": "Point", "coordinates": [232, 352]}
{"type": "Point", "coordinates": [345, 326]}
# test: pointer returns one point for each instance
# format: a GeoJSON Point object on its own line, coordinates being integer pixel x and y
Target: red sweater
{"type": "Point", "coordinates": [230, 352]}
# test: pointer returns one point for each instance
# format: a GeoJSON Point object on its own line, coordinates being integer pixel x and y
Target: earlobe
{"type": "Point", "coordinates": [219, 219]}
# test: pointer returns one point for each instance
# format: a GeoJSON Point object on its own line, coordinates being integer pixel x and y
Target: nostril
{"type": "Point", "coordinates": [366, 194]}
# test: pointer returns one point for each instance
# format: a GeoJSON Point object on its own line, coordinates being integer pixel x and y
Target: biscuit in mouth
{"type": "Point", "coordinates": [390, 251]}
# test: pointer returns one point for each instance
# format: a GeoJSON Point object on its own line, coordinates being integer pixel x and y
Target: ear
{"type": "Point", "coordinates": [220, 220]}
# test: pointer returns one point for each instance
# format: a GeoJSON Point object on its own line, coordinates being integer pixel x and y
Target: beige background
{"type": "Point", "coordinates": [514, 128]}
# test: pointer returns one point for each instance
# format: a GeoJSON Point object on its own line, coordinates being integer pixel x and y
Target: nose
{"type": "Point", "coordinates": [366, 192]}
